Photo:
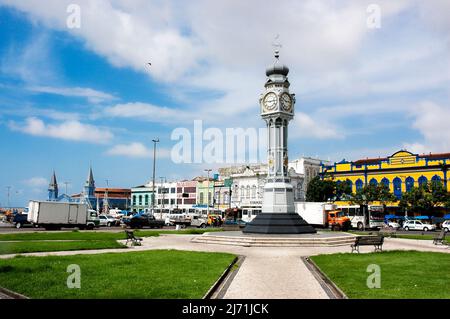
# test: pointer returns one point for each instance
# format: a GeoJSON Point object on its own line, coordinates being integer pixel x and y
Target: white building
{"type": "Point", "coordinates": [249, 180]}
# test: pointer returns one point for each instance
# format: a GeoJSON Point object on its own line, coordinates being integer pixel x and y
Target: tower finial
{"type": "Point", "coordinates": [277, 45]}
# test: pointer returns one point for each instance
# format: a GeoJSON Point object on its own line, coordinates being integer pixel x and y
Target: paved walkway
{"type": "Point", "coordinates": [255, 277]}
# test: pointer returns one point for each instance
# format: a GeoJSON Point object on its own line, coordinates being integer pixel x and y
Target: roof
{"type": "Point", "coordinates": [373, 161]}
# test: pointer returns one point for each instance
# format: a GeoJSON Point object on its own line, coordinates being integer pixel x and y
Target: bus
{"type": "Point", "coordinates": [364, 216]}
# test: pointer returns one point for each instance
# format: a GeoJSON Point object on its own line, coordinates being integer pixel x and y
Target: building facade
{"type": "Point", "coordinates": [400, 172]}
{"type": "Point", "coordinates": [186, 194]}
{"type": "Point", "coordinates": [248, 183]}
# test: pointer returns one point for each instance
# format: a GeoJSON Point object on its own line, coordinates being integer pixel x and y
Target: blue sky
{"type": "Point", "coordinates": [70, 98]}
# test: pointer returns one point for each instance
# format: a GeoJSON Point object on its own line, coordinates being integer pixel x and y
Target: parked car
{"type": "Point", "coordinates": [144, 220]}
{"type": "Point", "coordinates": [446, 226]}
{"type": "Point", "coordinates": [417, 225]}
{"type": "Point", "coordinates": [108, 220]}
{"type": "Point", "coordinates": [393, 225]}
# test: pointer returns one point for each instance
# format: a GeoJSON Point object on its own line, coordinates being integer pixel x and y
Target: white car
{"type": "Point", "coordinates": [393, 225]}
{"type": "Point", "coordinates": [106, 220]}
{"type": "Point", "coordinates": [446, 226]}
{"type": "Point", "coordinates": [417, 225]}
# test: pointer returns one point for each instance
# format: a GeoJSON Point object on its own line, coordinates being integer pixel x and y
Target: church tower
{"type": "Point", "coordinates": [53, 188]}
{"type": "Point", "coordinates": [89, 186]}
{"type": "Point", "coordinates": [277, 110]}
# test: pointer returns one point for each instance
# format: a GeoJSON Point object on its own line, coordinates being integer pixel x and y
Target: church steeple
{"type": "Point", "coordinates": [89, 186]}
{"type": "Point", "coordinates": [53, 188]}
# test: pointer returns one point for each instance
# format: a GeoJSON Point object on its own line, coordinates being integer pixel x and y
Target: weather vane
{"type": "Point", "coordinates": [277, 45]}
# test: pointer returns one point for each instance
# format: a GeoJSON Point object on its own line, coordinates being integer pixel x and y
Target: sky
{"type": "Point", "coordinates": [76, 89]}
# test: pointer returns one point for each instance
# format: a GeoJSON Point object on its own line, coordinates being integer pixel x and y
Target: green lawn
{"type": "Point", "coordinates": [43, 246]}
{"type": "Point", "coordinates": [404, 274]}
{"type": "Point", "coordinates": [99, 235]}
{"type": "Point", "coordinates": [149, 274]}
{"type": "Point", "coordinates": [54, 241]}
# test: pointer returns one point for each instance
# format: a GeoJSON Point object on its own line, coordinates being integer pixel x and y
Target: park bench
{"type": "Point", "coordinates": [135, 241]}
{"type": "Point", "coordinates": [387, 232]}
{"type": "Point", "coordinates": [376, 241]}
{"type": "Point", "coordinates": [440, 238]}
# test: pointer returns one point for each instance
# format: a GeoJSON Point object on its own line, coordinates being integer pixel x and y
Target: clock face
{"type": "Point", "coordinates": [286, 102]}
{"type": "Point", "coordinates": [270, 101]}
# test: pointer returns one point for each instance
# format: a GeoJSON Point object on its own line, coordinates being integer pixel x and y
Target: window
{"type": "Point", "coordinates": [397, 187]}
{"type": "Point", "coordinates": [409, 182]}
{"type": "Point", "coordinates": [146, 199]}
{"type": "Point", "coordinates": [172, 190]}
{"type": "Point", "coordinates": [435, 179]}
{"type": "Point", "coordinates": [373, 182]}
{"type": "Point", "coordinates": [359, 184]}
{"type": "Point", "coordinates": [423, 181]}
{"type": "Point", "coordinates": [254, 192]}
{"type": "Point", "coordinates": [201, 198]}
{"type": "Point", "coordinates": [134, 199]}
{"type": "Point", "coordinates": [140, 199]}
{"type": "Point", "coordinates": [385, 182]}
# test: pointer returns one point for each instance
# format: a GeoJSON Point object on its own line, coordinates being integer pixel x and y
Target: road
{"type": "Point", "coordinates": [9, 228]}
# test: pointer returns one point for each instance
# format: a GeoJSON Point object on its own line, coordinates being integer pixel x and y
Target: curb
{"type": "Point", "coordinates": [11, 294]}
{"type": "Point", "coordinates": [333, 291]}
{"type": "Point", "coordinates": [214, 290]}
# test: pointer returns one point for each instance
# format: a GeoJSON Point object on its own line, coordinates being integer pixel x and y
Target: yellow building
{"type": "Point", "coordinates": [400, 171]}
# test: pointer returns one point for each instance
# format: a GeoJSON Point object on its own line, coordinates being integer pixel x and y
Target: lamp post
{"type": "Point", "coordinates": [9, 189]}
{"type": "Point", "coordinates": [154, 170]}
{"type": "Point", "coordinates": [208, 170]}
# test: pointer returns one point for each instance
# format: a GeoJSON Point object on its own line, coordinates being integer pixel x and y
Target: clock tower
{"type": "Point", "coordinates": [277, 110]}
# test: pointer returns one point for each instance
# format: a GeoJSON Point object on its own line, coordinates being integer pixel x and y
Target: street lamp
{"type": "Point", "coordinates": [9, 189]}
{"type": "Point", "coordinates": [208, 170]}
{"type": "Point", "coordinates": [154, 169]}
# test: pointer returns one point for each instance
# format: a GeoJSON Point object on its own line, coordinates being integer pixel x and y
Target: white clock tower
{"type": "Point", "coordinates": [277, 109]}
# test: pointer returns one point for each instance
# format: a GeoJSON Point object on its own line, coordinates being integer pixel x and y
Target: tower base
{"type": "Point", "coordinates": [278, 223]}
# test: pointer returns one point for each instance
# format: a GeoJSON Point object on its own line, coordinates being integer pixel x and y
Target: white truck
{"type": "Point", "coordinates": [55, 215]}
{"type": "Point", "coordinates": [314, 213]}
{"type": "Point", "coordinates": [322, 214]}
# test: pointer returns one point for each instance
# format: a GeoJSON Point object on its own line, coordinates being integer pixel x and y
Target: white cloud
{"type": "Point", "coordinates": [137, 150]}
{"type": "Point", "coordinates": [92, 95]}
{"type": "Point", "coordinates": [306, 127]}
{"type": "Point", "coordinates": [432, 121]}
{"type": "Point", "coordinates": [151, 113]}
{"type": "Point", "coordinates": [68, 130]}
{"type": "Point", "coordinates": [37, 182]}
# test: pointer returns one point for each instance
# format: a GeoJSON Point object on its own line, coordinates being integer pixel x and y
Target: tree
{"type": "Point", "coordinates": [424, 198]}
{"type": "Point", "coordinates": [320, 190]}
{"type": "Point", "coordinates": [343, 189]}
{"type": "Point", "coordinates": [371, 193]}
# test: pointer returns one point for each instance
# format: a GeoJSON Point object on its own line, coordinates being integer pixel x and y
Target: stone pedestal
{"type": "Point", "coordinates": [279, 223]}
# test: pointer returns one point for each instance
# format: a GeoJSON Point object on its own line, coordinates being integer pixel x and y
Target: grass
{"type": "Point", "coordinates": [57, 241]}
{"type": "Point", "coordinates": [151, 274]}
{"type": "Point", "coordinates": [77, 235]}
{"type": "Point", "coordinates": [404, 274]}
{"type": "Point", "coordinates": [45, 246]}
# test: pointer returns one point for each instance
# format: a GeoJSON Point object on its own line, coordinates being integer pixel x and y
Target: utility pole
{"type": "Point", "coordinates": [66, 183]}
{"type": "Point", "coordinates": [208, 170]}
{"type": "Point", "coordinates": [154, 172]}
{"type": "Point", "coordinates": [106, 196]}
{"type": "Point", "coordinates": [9, 189]}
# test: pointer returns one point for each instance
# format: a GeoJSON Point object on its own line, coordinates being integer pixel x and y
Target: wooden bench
{"type": "Point", "coordinates": [376, 241]}
{"type": "Point", "coordinates": [135, 241]}
{"type": "Point", "coordinates": [387, 232]}
{"type": "Point", "coordinates": [440, 238]}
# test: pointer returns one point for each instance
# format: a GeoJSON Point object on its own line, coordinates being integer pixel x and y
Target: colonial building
{"type": "Point", "coordinates": [400, 172]}
{"type": "Point", "coordinates": [248, 182]}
